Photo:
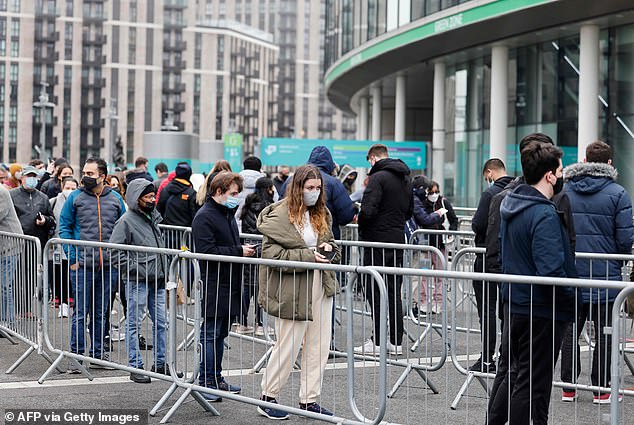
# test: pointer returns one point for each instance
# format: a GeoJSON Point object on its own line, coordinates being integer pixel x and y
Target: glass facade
{"type": "Point", "coordinates": [542, 97]}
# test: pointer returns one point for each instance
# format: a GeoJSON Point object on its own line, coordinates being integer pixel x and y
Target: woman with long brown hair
{"type": "Point", "coordinates": [298, 228]}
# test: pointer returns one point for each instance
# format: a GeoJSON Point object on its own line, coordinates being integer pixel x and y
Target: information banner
{"type": "Point", "coordinates": [233, 150]}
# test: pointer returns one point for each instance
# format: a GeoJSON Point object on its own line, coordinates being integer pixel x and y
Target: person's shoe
{"type": "Point", "coordinates": [64, 310]}
{"type": "Point", "coordinates": [368, 347]}
{"type": "Point", "coordinates": [106, 343]}
{"type": "Point", "coordinates": [139, 378]}
{"type": "Point", "coordinates": [223, 385]}
{"type": "Point", "coordinates": [604, 398]}
{"type": "Point", "coordinates": [165, 370]}
{"type": "Point", "coordinates": [244, 329]}
{"type": "Point", "coordinates": [270, 412]}
{"type": "Point", "coordinates": [315, 408]}
{"type": "Point", "coordinates": [116, 334]}
{"type": "Point", "coordinates": [72, 368]}
{"type": "Point", "coordinates": [105, 358]}
{"type": "Point", "coordinates": [568, 396]}
{"type": "Point", "coordinates": [143, 345]}
{"type": "Point", "coordinates": [260, 330]}
{"type": "Point", "coordinates": [436, 309]}
{"type": "Point", "coordinates": [396, 350]}
{"type": "Point", "coordinates": [212, 398]}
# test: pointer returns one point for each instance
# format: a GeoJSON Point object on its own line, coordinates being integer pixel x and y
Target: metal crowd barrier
{"type": "Point", "coordinates": [177, 237]}
{"type": "Point", "coordinates": [20, 299]}
{"type": "Point", "coordinates": [453, 240]}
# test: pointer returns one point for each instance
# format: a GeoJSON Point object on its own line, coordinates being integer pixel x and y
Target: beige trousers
{"type": "Point", "coordinates": [314, 337]}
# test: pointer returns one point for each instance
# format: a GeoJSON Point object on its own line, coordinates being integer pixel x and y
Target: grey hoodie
{"type": "Point", "coordinates": [9, 223]}
{"type": "Point", "coordinates": [135, 227]}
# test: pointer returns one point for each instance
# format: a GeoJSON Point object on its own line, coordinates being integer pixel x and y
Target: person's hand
{"type": "Point", "coordinates": [74, 266]}
{"type": "Point", "coordinates": [320, 258]}
{"type": "Point", "coordinates": [441, 211]}
{"type": "Point", "coordinates": [248, 251]}
{"type": "Point", "coordinates": [40, 221]}
{"type": "Point", "coordinates": [325, 247]}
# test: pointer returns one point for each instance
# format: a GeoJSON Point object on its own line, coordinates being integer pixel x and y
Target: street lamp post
{"type": "Point", "coordinates": [43, 103]}
{"type": "Point", "coordinates": [112, 115]}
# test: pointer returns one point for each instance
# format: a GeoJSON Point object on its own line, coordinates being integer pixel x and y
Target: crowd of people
{"type": "Point", "coordinates": [530, 225]}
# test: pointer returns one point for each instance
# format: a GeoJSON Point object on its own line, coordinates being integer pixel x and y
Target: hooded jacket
{"type": "Point", "coordinates": [480, 219]}
{"type": "Point", "coordinates": [89, 217]}
{"type": "Point", "coordinates": [177, 204]}
{"type": "Point", "coordinates": [215, 231]}
{"type": "Point", "coordinates": [283, 292]}
{"type": "Point", "coordinates": [430, 208]}
{"type": "Point", "coordinates": [337, 199]}
{"type": "Point", "coordinates": [136, 227]}
{"type": "Point", "coordinates": [602, 212]}
{"type": "Point", "coordinates": [9, 223]}
{"type": "Point", "coordinates": [27, 205]}
{"type": "Point", "coordinates": [387, 202]}
{"type": "Point", "coordinates": [249, 177]}
{"type": "Point", "coordinates": [253, 206]}
{"type": "Point", "coordinates": [534, 243]}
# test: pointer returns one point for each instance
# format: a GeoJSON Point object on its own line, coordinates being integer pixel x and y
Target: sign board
{"type": "Point", "coordinates": [233, 150]}
{"type": "Point", "coordinates": [295, 152]}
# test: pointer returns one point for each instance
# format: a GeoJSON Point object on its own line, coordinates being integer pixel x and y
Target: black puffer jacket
{"type": "Point", "coordinates": [253, 206]}
{"type": "Point", "coordinates": [387, 202]}
{"type": "Point", "coordinates": [27, 204]}
{"type": "Point", "coordinates": [480, 220]}
{"type": "Point", "coordinates": [51, 187]}
{"type": "Point", "coordinates": [177, 203]}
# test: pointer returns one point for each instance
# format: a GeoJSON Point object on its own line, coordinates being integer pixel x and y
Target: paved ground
{"type": "Point", "coordinates": [414, 403]}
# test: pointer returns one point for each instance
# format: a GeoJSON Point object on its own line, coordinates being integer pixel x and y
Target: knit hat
{"type": "Point", "coordinates": [183, 171]}
{"type": "Point", "coordinates": [148, 189]}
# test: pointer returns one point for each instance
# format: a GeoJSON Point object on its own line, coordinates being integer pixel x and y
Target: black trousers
{"type": "Point", "coordinates": [533, 350]}
{"type": "Point", "coordinates": [486, 294]}
{"type": "Point", "coordinates": [498, 400]}
{"type": "Point", "coordinates": [387, 258]}
{"type": "Point", "coordinates": [601, 316]}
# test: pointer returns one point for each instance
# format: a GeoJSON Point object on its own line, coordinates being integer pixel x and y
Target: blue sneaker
{"type": "Point", "coordinates": [270, 412]}
{"type": "Point", "coordinates": [223, 385]}
{"type": "Point", "coordinates": [315, 408]}
{"type": "Point", "coordinates": [211, 397]}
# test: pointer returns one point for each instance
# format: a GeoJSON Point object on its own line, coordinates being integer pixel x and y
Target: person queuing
{"type": "Point", "coordinates": [253, 206]}
{"type": "Point", "coordinates": [58, 267]}
{"type": "Point", "coordinates": [9, 254]}
{"type": "Point", "coordinates": [162, 172]}
{"type": "Point", "coordinates": [486, 293]}
{"type": "Point", "coordinates": [90, 214]}
{"type": "Point", "coordinates": [283, 171]}
{"type": "Point", "coordinates": [4, 173]}
{"type": "Point", "coordinates": [298, 228]}
{"type": "Point", "coordinates": [251, 173]}
{"type": "Point", "coordinates": [386, 206]}
{"type": "Point", "coordinates": [534, 242]}
{"type": "Point", "coordinates": [143, 275]}
{"type": "Point", "coordinates": [13, 178]}
{"type": "Point", "coordinates": [602, 211]}
{"type": "Point", "coordinates": [53, 186]}
{"type": "Point", "coordinates": [115, 184]}
{"type": "Point", "coordinates": [215, 231]}
{"type": "Point", "coordinates": [178, 201]}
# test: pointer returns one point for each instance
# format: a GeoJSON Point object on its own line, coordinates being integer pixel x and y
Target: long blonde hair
{"type": "Point", "coordinates": [296, 206]}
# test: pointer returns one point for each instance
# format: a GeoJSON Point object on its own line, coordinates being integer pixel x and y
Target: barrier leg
{"type": "Point", "coordinates": [19, 361]}
{"type": "Point", "coordinates": [430, 384]}
{"type": "Point", "coordinates": [8, 337]}
{"type": "Point", "coordinates": [628, 363]}
{"type": "Point", "coordinates": [482, 378]}
{"type": "Point", "coordinates": [404, 375]}
{"type": "Point", "coordinates": [204, 403]}
{"type": "Point", "coordinates": [260, 364]}
{"type": "Point", "coordinates": [164, 399]}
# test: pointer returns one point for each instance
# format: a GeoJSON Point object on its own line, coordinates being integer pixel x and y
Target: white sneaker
{"type": "Point", "coordinates": [396, 350]}
{"type": "Point", "coordinates": [117, 335]}
{"type": "Point", "coordinates": [64, 310]}
{"type": "Point", "coordinates": [259, 330]}
{"type": "Point", "coordinates": [368, 347]}
{"type": "Point", "coordinates": [244, 329]}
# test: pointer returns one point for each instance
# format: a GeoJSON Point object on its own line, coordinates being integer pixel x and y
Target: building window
{"type": "Point", "coordinates": [69, 7]}
{"type": "Point", "coordinates": [15, 49]}
{"type": "Point", "coordinates": [15, 28]}
{"type": "Point", "coordinates": [13, 72]}
{"type": "Point", "coordinates": [15, 5]}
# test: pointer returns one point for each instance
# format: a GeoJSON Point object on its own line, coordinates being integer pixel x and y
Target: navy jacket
{"type": "Point", "coordinates": [337, 199]}
{"type": "Point", "coordinates": [602, 212]}
{"type": "Point", "coordinates": [534, 243]}
{"type": "Point", "coordinates": [480, 220]}
{"type": "Point", "coordinates": [215, 232]}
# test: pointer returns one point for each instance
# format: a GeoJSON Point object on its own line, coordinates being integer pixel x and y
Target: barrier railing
{"type": "Point", "coordinates": [177, 237]}
{"type": "Point", "coordinates": [451, 240]}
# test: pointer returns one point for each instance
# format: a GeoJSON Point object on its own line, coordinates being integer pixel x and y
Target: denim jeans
{"type": "Point", "coordinates": [7, 274]}
{"type": "Point", "coordinates": [91, 290]}
{"type": "Point", "coordinates": [141, 295]}
{"type": "Point", "coordinates": [212, 338]}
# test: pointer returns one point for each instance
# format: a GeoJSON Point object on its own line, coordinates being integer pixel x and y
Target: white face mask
{"type": "Point", "coordinates": [67, 192]}
{"type": "Point", "coordinates": [433, 197]}
{"type": "Point", "coordinates": [311, 197]}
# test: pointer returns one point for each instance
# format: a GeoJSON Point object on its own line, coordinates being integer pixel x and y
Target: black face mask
{"type": "Point", "coordinates": [559, 185]}
{"type": "Point", "coordinates": [89, 182]}
{"type": "Point", "coordinates": [147, 208]}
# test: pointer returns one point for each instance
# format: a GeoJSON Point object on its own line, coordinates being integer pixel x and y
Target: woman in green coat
{"type": "Point", "coordinates": [298, 228]}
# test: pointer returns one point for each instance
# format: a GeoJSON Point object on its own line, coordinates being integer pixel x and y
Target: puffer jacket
{"type": "Point", "coordinates": [137, 228]}
{"type": "Point", "coordinates": [253, 206]}
{"type": "Point", "coordinates": [602, 212]}
{"type": "Point", "coordinates": [249, 177]}
{"type": "Point", "coordinates": [27, 204]}
{"type": "Point", "coordinates": [89, 217]}
{"type": "Point", "coordinates": [337, 199]}
{"type": "Point", "coordinates": [284, 292]}
{"type": "Point", "coordinates": [534, 242]}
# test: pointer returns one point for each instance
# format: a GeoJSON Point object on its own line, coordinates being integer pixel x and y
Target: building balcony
{"type": "Point", "coordinates": [98, 40]}
{"type": "Point", "coordinates": [49, 56]}
{"type": "Point", "coordinates": [175, 65]}
{"type": "Point", "coordinates": [173, 88]}
{"type": "Point", "coordinates": [175, 46]}
{"type": "Point", "coordinates": [46, 37]}
{"type": "Point", "coordinates": [95, 61]}
{"type": "Point", "coordinates": [175, 4]}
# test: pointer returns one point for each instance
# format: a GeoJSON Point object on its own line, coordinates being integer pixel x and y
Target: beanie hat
{"type": "Point", "coordinates": [148, 189]}
{"type": "Point", "coordinates": [183, 171]}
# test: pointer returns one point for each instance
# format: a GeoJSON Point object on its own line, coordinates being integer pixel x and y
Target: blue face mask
{"type": "Point", "coordinates": [231, 202]}
{"type": "Point", "coordinates": [31, 182]}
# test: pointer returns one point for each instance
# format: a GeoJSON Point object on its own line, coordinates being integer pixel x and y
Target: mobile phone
{"type": "Point", "coordinates": [328, 254]}
{"type": "Point", "coordinates": [39, 216]}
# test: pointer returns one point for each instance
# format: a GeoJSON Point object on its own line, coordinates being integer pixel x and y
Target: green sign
{"type": "Point", "coordinates": [428, 29]}
{"type": "Point", "coordinates": [233, 150]}
{"type": "Point", "coordinates": [295, 152]}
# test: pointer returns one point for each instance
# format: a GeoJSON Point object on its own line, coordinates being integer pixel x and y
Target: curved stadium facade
{"type": "Point", "coordinates": [473, 77]}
